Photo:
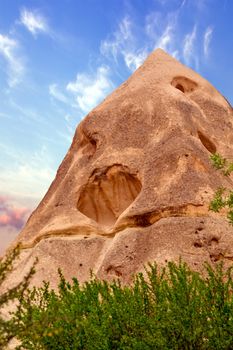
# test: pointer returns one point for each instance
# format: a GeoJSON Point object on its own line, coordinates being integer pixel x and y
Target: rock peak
{"type": "Point", "coordinates": [136, 182]}
{"type": "Point", "coordinates": [160, 53]}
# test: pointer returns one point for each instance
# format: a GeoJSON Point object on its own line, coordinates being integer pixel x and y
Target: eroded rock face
{"type": "Point", "coordinates": [136, 183]}
{"type": "Point", "coordinates": [108, 193]}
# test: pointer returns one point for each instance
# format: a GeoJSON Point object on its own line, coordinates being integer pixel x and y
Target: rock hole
{"type": "Point", "coordinates": [214, 241]}
{"type": "Point", "coordinates": [129, 257]}
{"type": "Point", "coordinates": [216, 257]}
{"type": "Point", "coordinates": [108, 193]}
{"type": "Point", "coordinates": [142, 220]}
{"type": "Point", "coordinates": [113, 269]}
{"type": "Point", "coordinates": [184, 84]}
{"type": "Point", "coordinates": [198, 244]}
{"type": "Point", "coordinates": [179, 87]}
{"type": "Point", "coordinates": [207, 143]}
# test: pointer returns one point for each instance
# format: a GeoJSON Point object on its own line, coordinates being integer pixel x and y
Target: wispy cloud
{"type": "Point", "coordinates": [34, 21]}
{"type": "Point", "coordinates": [135, 60]}
{"type": "Point", "coordinates": [189, 53]}
{"type": "Point", "coordinates": [89, 90]}
{"type": "Point", "coordinates": [115, 44]}
{"type": "Point", "coordinates": [9, 50]}
{"type": "Point", "coordinates": [57, 94]}
{"type": "Point", "coordinates": [122, 43]}
{"type": "Point", "coordinates": [207, 39]}
{"type": "Point", "coordinates": [165, 40]}
{"type": "Point", "coordinates": [81, 95]}
{"type": "Point", "coordinates": [161, 30]}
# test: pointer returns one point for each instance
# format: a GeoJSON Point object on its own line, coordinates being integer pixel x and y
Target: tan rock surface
{"type": "Point", "coordinates": [136, 182]}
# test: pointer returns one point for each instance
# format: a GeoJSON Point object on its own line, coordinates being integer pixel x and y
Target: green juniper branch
{"type": "Point", "coordinates": [223, 198]}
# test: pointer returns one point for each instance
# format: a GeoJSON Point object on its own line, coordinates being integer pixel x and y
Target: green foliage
{"type": "Point", "coordinates": [221, 163]}
{"type": "Point", "coordinates": [175, 308]}
{"type": "Point", "coordinates": [7, 327]}
{"type": "Point", "coordinates": [171, 308]}
{"type": "Point", "coordinates": [218, 201]}
{"type": "Point", "coordinates": [222, 198]}
{"type": "Point", "coordinates": [217, 161]}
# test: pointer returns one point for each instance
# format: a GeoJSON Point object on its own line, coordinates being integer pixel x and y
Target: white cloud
{"type": "Point", "coordinates": [134, 60]}
{"type": "Point", "coordinates": [166, 33]}
{"type": "Point", "coordinates": [57, 94]}
{"type": "Point", "coordinates": [207, 38]}
{"type": "Point", "coordinates": [176, 54]}
{"type": "Point", "coordinates": [123, 43]}
{"type": "Point", "coordinates": [121, 37]}
{"type": "Point", "coordinates": [90, 90]}
{"type": "Point", "coordinates": [165, 40]}
{"type": "Point", "coordinates": [160, 29]}
{"type": "Point", "coordinates": [124, 32]}
{"type": "Point", "coordinates": [33, 21]}
{"type": "Point", "coordinates": [189, 46]}
{"type": "Point", "coordinates": [153, 24]}
{"type": "Point", "coordinates": [9, 51]}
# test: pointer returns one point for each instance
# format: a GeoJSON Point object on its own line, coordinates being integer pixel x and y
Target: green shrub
{"type": "Point", "coordinates": [223, 198]}
{"type": "Point", "coordinates": [175, 308]}
{"type": "Point", "coordinates": [7, 328]}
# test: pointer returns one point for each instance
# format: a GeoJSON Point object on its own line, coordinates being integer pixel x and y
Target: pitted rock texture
{"type": "Point", "coordinates": [136, 183]}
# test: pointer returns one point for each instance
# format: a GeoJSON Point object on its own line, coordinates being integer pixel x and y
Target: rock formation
{"type": "Point", "coordinates": [136, 183]}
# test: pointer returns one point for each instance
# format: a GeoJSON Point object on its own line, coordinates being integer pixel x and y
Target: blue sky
{"type": "Point", "coordinates": [60, 58]}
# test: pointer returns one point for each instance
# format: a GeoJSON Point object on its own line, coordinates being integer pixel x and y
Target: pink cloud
{"type": "Point", "coordinates": [14, 212]}
{"type": "Point", "coordinates": [11, 214]}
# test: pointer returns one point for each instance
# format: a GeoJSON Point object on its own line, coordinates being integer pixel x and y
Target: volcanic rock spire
{"type": "Point", "coordinates": [136, 183]}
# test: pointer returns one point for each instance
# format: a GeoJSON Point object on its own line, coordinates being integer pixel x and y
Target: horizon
{"type": "Point", "coordinates": [59, 61]}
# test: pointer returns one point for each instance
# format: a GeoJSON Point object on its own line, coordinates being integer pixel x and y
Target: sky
{"type": "Point", "coordinates": [60, 58]}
